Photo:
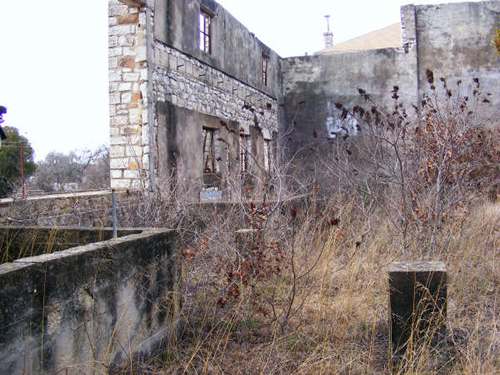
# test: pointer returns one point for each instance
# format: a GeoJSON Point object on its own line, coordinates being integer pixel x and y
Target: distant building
{"type": "Point", "coordinates": [387, 37]}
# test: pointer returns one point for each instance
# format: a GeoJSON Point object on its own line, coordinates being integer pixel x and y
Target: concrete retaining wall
{"type": "Point", "coordinates": [89, 309]}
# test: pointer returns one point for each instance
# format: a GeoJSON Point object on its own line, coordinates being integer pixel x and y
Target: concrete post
{"type": "Point", "coordinates": [418, 294]}
{"type": "Point", "coordinates": [246, 239]}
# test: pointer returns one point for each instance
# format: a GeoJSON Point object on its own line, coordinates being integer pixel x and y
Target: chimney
{"type": "Point", "coordinates": [328, 35]}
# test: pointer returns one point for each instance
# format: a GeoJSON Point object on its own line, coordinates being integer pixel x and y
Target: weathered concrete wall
{"type": "Point", "coordinates": [456, 41]}
{"type": "Point", "coordinates": [314, 84]}
{"type": "Point", "coordinates": [89, 309]}
{"type": "Point", "coordinates": [179, 134]}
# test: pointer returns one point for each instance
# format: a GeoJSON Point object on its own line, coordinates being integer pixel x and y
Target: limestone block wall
{"type": "Point", "coordinates": [191, 84]}
{"type": "Point", "coordinates": [149, 65]}
{"type": "Point", "coordinates": [128, 76]}
{"type": "Point", "coordinates": [89, 209]}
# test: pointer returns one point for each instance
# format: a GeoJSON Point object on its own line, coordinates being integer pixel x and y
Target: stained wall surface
{"type": "Point", "coordinates": [89, 309]}
{"type": "Point", "coordinates": [313, 85]}
{"type": "Point", "coordinates": [455, 41]}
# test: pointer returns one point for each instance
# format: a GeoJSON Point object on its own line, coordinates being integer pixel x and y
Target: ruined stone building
{"type": "Point", "coordinates": [200, 102]}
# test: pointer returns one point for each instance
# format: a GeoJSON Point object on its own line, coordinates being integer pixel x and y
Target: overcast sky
{"type": "Point", "coordinates": [53, 56]}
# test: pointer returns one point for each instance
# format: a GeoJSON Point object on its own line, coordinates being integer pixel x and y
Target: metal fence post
{"type": "Point", "coordinates": [114, 215]}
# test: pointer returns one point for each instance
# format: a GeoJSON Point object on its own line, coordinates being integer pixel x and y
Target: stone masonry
{"type": "Point", "coordinates": [128, 75]}
{"type": "Point", "coordinates": [165, 90]}
{"type": "Point", "coordinates": [144, 71]}
{"type": "Point", "coordinates": [188, 83]}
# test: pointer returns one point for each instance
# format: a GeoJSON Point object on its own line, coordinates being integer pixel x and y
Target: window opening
{"type": "Point", "coordinates": [244, 154]}
{"type": "Point", "coordinates": [265, 69]}
{"type": "Point", "coordinates": [267, 155]}
{"type": "Point", "coordinates": [205, 32]}
{"type": "Point", "coordinates": [209, 161]}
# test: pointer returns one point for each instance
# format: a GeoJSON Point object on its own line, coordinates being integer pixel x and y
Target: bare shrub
{"type": "Point", "coordinates": [420, 168]}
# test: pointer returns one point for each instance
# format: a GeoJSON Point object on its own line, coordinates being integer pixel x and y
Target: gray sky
{"type": "Point", "coordinates": [53, 56]}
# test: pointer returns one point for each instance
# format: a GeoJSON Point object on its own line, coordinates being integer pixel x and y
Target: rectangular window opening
{"type": "Point", "coordinates": [205, 32]}
{"type": "Point", "coordinates": [244, 154]}
{"type": "Point", "coordinates": [265, 70]}
{"type": "Point", "coordinates": [210, 161]}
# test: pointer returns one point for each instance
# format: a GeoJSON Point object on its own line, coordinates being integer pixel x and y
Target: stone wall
{"type": "Point", "coordinates": [89, 209]}
{"type": "Point", "coordinates": [189, 83]}
{"type": "Point", "coordinates": [235, 51]}
{"type": "Point", "coordinates": [156, 63]}
{"type": "Point", "coordinates": [226, 84]}
{"type": "Point", "coordinates": [89, 309]}
{"type": "Point", "coordinates": [128, 75]}
{"type": "Point", "coordinates": [215, 101]}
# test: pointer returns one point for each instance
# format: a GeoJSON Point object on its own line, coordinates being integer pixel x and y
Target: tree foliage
{"type": "Point", "coordinates": [10, 161]}
{"type": "Point", "coordinates": [87, 169]}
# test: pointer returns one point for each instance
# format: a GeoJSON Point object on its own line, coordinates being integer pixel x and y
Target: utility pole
{"type": "Point", "coordinates": [114, 215]}
{"type": "Point", "coordinates": [21, 168]}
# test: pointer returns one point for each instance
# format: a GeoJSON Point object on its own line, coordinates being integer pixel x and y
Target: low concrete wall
{"type": "Point", "coordinates": [85, 209]}
{"type": "Point", "coordinates": [89, 309]}
{"type": "Point", "coordinates": [22, 242]}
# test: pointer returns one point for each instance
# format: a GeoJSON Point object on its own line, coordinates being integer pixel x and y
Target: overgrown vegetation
{"type": "Point", "coordinates": [306, 291]}
{"type": "Point", "coordinates": [74, 171]}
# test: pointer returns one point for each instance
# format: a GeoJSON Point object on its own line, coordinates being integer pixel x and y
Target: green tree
{"type": "Point", "coordinates": [10, 161]}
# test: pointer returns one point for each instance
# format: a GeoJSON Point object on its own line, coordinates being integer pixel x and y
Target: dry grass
{"type": "Point", "coordinates": [339, 323]}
